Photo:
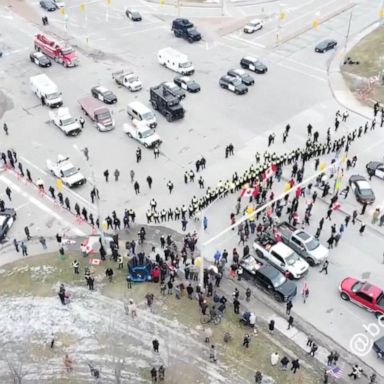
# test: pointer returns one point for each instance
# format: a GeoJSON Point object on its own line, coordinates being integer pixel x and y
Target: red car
{"type": "Point", "coordinates": [363, 294]}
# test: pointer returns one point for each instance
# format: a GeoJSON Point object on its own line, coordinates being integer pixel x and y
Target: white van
{"type": "Point", "coordinates": [46, 90]}
{"type": "Point", "coordinates": [140, 112]}
{"type": "Point", "coordinates": [175, 60]}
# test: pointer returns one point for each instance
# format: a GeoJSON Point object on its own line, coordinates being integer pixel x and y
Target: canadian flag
{"type": "Point", "coordinates": [270, 171]}
{"type": "Point", "coordinates": [249, 191]}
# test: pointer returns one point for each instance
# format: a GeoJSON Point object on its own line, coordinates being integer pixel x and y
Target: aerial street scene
{"type": "Point", "coordinates": [191, 191]}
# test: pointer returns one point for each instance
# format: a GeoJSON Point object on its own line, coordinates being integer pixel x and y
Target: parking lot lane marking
{"type": "Point", "coordinates": [144, 30]}
{"type": "Point", "coordinates": [303, 72]}
{"type": "Point", "coordinates": [33, 165]}
{"type": "Point", "coordinates": [258, 45]}
{"type": "Point", "coordinates": [41, 205]}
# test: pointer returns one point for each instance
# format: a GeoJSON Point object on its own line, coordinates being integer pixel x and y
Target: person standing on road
{"type": "Point", "coordinates": [136, 186]}
{"type": "Point", "coordinates": [364, 208]}
{"type": "Point", "coordinates": [149, 181]}
{"type": "Point", "coordinates": [170, 186]}
{"type": "Point", "coordinates": [24, 249]}
{"type": "Point", "coordinates": [82, 122]}
{"type": "Point", "coordinates": [75, 266]}
{"type": "Point", "coordinates": [290, 322]}
{"type": "Point", "coordinates": [132, 174]}
{"type": "Point", "coordinates": [324, 267]}
{"type": "Point", "coordinates": [288, 308]}
{"type": "Point", "coordinates": [27, 233]}
{"type": "Point", "coordinates": [106, 175]}
{"type": "Point", "coordinates": [354, 216]}
{"type": "Point", "coordinates": [156, 152]}
{"type": "Point", "coordinates": [8, 192]}
{"type": "Point", "coordinates": [16, 244]}
{"type": "Point", "coordinates": [138, 155]}
{"type": "Point", "coordinates": [305, 291]}
{"type": "Point", "coordinates": [116, 174]}
{"type": "Point", "coordinates": [362, 229]}
{"type": "Point", "coordinates": [43, 242]}
{"type": "Point", "coordinates": [205, 223]}
{"type": "Point", "coordinates": [5, 127]}
{"type": "Point", "coordinates": [52, 192]}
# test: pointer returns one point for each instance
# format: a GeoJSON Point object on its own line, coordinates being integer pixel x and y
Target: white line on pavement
{"type": "Point", "coordinates": [144, 30]}
{"type": "Point", "coordinates": [33, 165]}
{"type": "Point", "coordinates": [245, 41]}
{"type": "Point", "coordinates": [42, 206]}
{"type": "Point", "coordinates": [303, 72]}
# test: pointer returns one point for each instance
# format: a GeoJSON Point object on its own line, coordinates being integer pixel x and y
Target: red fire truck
{"type": "Point", "coordinates": [59, 52]}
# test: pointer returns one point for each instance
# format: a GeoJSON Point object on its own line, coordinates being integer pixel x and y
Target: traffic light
{"type": "Point", "coordinates": [315, 24]}
{"type": "Point", "coordinates": [82, 7]}
{"type": "Point", "coordinates": [62, 11]}
{"type": "Point", "coordinates": [109, 2]}
{"type": "Point", "coordinates": [381, 12]}
{"type": "Point", "coordinates": [282, 15]}
{"type": "Point", "coordinates": [162, 2]}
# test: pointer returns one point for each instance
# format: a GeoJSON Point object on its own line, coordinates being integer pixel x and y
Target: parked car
{"type": "Point", "coordinates": [268, 278]}
{"type": "Point", "coordinates": [362, 190]}
{"type": "Point", "coordinates": [40, 59]}
{"type": "Point", "coordinates": [363, 294]}
{"type": "Point", "coordinates": [325, 45]}
{"type": "Point", "coordinates": [48, 5]}
{"type": "Point", "coordinates": [187, 83]}
{"type": "Point", "coordinates": [7, 218]}
{"type": "Point", "coordinates": [242, 75]}
{"type": "Point", "coordinates": [104, 95]}
{"type": "Point", "coordinates": [376, 168]}
{"type": "Point", "coordinates": [233, 84]}
{"type": "Point", "coordinates": [133, 15]}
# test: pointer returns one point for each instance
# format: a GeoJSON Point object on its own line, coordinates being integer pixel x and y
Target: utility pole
{"type": "Point", "coordinates": [93, 181]}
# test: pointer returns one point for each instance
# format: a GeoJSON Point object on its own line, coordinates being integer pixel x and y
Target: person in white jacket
{"type": "Point", "coordinates": [274, 358]}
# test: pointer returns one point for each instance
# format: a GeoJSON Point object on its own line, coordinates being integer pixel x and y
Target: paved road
{"type": "Point", "coordinates": [209, 125]}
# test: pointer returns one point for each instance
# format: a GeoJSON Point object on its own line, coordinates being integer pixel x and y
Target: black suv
{"type": "Point", "coordinates": [269, 279]}
{"type": "Point", "coordinates": [253, 64]}
{"type": "Point", "coordinates": [185, 29]}
{"type": "Point", "coordinates": [168, 105]}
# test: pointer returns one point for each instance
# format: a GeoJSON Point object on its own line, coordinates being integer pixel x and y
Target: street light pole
{"type": "Point", "coordinates": [349, 28]}
{"type": "Point", "coordinates": [93, 181]}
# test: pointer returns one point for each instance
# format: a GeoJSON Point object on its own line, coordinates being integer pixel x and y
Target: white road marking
{"type": "Point", "coordinates": [40, 205]}
{"type": "Point", "coordinates": [33, 165]}
{"type": "Point", "coordinates": [144, 30]}
{"type": "Point", "coordinates": [246, 41]}
{"type": "Point", "coordinates": [303, 72]}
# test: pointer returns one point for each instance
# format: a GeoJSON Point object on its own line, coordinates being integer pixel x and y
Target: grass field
{"type": "Point", "coordinates": [369, 52]}
{"type": "Point", "coordinates": [41, 275]}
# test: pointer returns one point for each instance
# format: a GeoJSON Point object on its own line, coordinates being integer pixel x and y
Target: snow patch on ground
{"type": "Point", "coordinates": [100, 333]}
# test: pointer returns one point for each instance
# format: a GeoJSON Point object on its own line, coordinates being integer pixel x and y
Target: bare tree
{"type": "Point", "coordinates": [16, 371]}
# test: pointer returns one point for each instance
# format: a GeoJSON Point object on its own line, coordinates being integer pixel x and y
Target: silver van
{"type": "Point", "coordinates": [139, 111]}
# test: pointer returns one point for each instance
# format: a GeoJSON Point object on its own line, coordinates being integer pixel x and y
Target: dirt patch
{"type": "Point", "coordinates": [365, 78]}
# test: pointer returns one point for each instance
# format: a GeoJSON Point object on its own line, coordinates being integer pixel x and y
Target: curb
{"type": "Point", "coordinates": [217, 4]}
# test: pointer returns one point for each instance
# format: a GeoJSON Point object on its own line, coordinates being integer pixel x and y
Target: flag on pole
{"type": "Point", "coordinates": [249, 191]}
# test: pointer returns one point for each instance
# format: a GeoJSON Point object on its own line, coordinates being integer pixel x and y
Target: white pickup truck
{"type": "Point", "coordinates": [142, 133]}
{"type": "Point", "coordinates": [64, 120]}
{"type": "Point", "coordinates": [64, 169]}
{"type": "Point", "coordinates": [128, 80]}
{"type": "Point", "coordinates": [280, 256]}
